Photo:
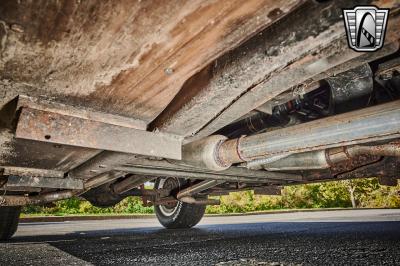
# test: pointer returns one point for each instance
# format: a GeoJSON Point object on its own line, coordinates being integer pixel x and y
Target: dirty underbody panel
{"type": "Point", "coordinates": [96, 92]}
{"type": "Point", "coordinates": [123, 58]}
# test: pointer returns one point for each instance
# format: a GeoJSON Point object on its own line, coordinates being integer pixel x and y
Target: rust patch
{"type": "Point", "coordinates": [387, 167]}
{"type": "Point", "coordinates": [275, 13]}
{"type": "Point", "coordinates": [354, 163]}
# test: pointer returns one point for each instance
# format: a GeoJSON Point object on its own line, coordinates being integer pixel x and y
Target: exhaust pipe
{"type": "Point", "coordinates": [324, 159]}
{"type": "Point", "coordinates": [375, 123]}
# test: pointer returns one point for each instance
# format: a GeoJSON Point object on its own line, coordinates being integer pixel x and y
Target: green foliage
{"type": "Point", "coordinates": [77, 206]}
{"type": "Point", "coordinates": [132, 205]}
{"type": "Point", "coordinates": [367, 194]}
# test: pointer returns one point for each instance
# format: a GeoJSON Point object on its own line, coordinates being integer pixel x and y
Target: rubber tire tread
{"type": "Point", "coordinates": [9, 218]}
{"type": "Point", "coordinates": [185, 216]}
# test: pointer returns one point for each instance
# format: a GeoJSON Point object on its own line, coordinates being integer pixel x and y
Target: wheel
{"type": "Point", "coordinates": [9, 218]}
{"type": "Point", "coordinates": [178, 214]}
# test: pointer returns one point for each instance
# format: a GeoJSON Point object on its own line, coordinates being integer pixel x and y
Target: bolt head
{"type": "Point", "coordinates": [168, 71]}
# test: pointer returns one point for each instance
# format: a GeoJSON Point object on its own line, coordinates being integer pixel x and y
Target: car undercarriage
{"type": "Point", "coordinates": [203, 98]}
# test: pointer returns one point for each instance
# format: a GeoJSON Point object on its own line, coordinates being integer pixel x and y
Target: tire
{"type": "Point", "coordinates": [181, 215]}
{"type": "Point", "coordinates": [9, 218]}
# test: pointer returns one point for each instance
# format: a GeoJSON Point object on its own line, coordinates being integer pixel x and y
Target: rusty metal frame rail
{"type": "Point", "coordinates": [45, 182]}
{"type": "Point", "coordinates": [41, 125]}
{"type": "Point", "coordinates": [10, 200]}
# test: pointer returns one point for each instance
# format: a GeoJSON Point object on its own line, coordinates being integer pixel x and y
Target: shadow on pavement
{"type": "Point", "coordinates": [284, 242]}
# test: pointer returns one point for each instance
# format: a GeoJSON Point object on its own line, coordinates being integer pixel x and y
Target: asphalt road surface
{"type": "Point", "coordinates": [350, 237]}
